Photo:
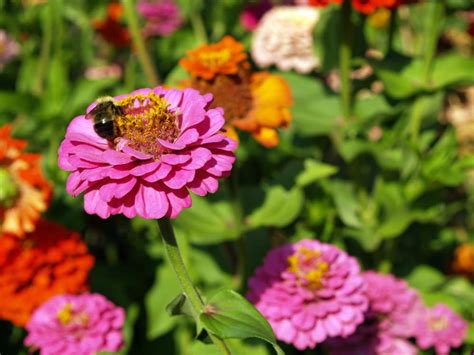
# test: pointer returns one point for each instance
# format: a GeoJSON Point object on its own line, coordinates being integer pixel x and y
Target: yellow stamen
{"type": "Point", "coordinates": [214, 59]}
{"type": "Point", "coordinates": [438, 323]}
{"type": "Point", "coordinates": [65, 314]}
{"type": "Point", "coordinates": [143, 124]}
{"type": "Point", "coordinates": [306, 265]}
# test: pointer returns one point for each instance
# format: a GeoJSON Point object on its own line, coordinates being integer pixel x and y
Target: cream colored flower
{"type": "Point", "coordinates": [284, 38]}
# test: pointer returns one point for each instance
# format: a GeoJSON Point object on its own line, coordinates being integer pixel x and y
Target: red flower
{"type": "Point", "coordinates": [111, 29]}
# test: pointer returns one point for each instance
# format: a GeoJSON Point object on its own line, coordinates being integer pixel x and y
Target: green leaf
{"type": "Point", "coordinates": [280, 208]}
{"type": "Point", "coordinates": [452, 69]}
{"type": "Point", "coordinates": [315, 110]}
{"type": "Point", "coordinates": [314, 170]}
{"type": "Point", "coordinates": [425, 278]}
{"type": "Point", "coordinates": [208, 222]}
{"type": "Point", "coordinates": [236, 346]}
{"type": "Point", "coordinates": [179, 306]}
{"type": "Point", "coordinates": [401, 76]}
{"type": "Point", "coordinates": [229, 315]}
{"type": "Point", "coordinates": [346, 203]}
{"type": "Point", "coordinates": [158, 297]}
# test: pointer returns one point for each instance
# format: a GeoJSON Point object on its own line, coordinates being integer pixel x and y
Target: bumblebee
{"type": "Point", "coordinates": [104, 115]}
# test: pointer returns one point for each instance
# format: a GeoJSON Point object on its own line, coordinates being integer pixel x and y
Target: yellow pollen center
{"type": "Point", "coordinates": [213, 59]}
{"type": "Point", "coordinates": [66, 316]}
{"type": "Point", "coordinates": [306, 264]}
{"type": "Point", "coordinates": [438, 323]}
{"type": "Point", "coordinates": [146, 119]}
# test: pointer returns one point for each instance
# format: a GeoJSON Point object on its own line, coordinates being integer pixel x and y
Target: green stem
{"type": "Point", "coordinates": [174, 256]}
{"type": "Point", "coordinates": [240, 274]}
{"type": "Point", "coordinates": [415, 120]}
{"type": "Point", "coordinates": [432, 30]}
{"type": "Point", "coordinates": [391, 29]}
{"type": "Point", "coordinates": [198, 27]}
{"type": "Point", "coordinates": [345, 53]}
{"type": "Point", "coordinates": [138, 41]}
{"type": "Point", "coordinates": [45, 52]}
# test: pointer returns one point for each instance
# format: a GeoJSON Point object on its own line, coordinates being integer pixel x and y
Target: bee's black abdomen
{"type": "Point", "coordinates": [105, 129]}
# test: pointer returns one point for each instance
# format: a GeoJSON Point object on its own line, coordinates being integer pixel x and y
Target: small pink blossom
{"type": "Point", "coordinates": [76, 325]}
{"type": "Point", "coordinates": [309, 291]}
{"type": "Point", "coordinates": [9, 49]}
{"type": "Point", "coordinates": [441, 328]}
{"type": "Point", "coordinates": [170, 143]}
{"type": "Point", "coordinates": [390, 321]}
{"type": "Point", "coordinates": [163, 17]}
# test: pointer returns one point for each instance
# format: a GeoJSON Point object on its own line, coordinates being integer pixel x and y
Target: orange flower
{"type": "Point", "coordinates": [48, 262]}
{"type": "Point", "coordinates": [224, 57]}
{"type": "Point", "coordinates": [256, 102]}
{"type": "Point", "coordinates": [463, 262]}
{"type": "Point", "coordinates": [25, 194]}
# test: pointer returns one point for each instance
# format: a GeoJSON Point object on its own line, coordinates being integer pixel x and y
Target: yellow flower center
{"type": "Point", "coordinates": [308, 266]}
{"type": "Point", "coordinates": [66, 315]}
{"type": "Point", "coordinates": [438, 323]}
{"type": "Point", "coordinates": [214, 59]}
{"type": "Point", "coordinates": [147, 118]}
{"type": "Point", "coordinates": [9, 189]}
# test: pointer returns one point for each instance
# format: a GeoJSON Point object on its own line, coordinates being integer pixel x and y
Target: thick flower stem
{"type": "Point", "coordinates": [345, 53]}
{"type": "Point", "coordinates": [174, 256]}
{"type": "Point", "coordinates": [139, 43]}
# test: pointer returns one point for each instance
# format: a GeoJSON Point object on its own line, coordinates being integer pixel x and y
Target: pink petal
{"type": "Point", "coordinates": [179, 178]}
{"type": "Point", "coordinates": [151, 203]}
{"type": "Point", "coordinates": [160, 173]}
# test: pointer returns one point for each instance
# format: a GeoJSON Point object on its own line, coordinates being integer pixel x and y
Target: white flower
{"type": "Point", "coordinates": [284, 38]}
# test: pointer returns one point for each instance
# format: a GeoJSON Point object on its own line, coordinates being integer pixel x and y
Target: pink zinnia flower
{"type": "Point", "coordinates": [169, 142]}
{"type": "Point", "coordinates": [9, 48]}
{"type": "Point", "coordinates": [442, 328]}
{"type": "Point", "coordinates": [76, 324]}
{"type": "Point", "coordinates": [252, 13]}
{"type": "Point", "coordinates": [389, 321]}
{"type": "Point", "coordinates": [309, 291]}
{"type": "Point", "coordinates": [163, 17]}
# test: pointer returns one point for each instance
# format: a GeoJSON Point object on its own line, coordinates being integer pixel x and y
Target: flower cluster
{"type": "Point", "coordinates": [49, 261]}
{"type": "Point", "coordinates": [76, 324]}
{"type": "Point", "coordinates": [163, 17]}
{"type": "Point", "coordinates": [256, 102]}
{"type": "Point", "coordinates": [309, 292]}
{"type": "Point", "coordinates": [284, 38]}
{"type": "Point", "coordinates": [313, 293]}
{"type": "Point", "coordinates": [389, 321]}
{"type": "Point", "coordinates": [169, 143]}
{"type": "Point", "coordinates": [363, 6]}
{"type": "Point", "coordinates": [25, 193]}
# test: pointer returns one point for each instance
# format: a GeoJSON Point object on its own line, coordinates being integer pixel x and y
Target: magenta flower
{"type": "Point", "coordinates": [442, 328]}
{"type": "Point", "coordinates": [169, 143]}
{"type": "Point", "coordinates": [389, 322]}
{"type": "Point", "coordinates": [76, 324]}
{"type": "Point", "coordinates": [252, 13]}
{"type": "Point", "coordinates": [163, 17]}
{"type": "Point", "coordinates": [308, 292]}
{"type": "Point", "coordinates": [9, 49]}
